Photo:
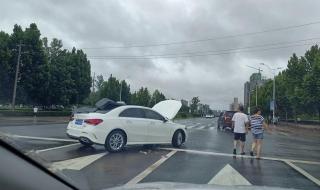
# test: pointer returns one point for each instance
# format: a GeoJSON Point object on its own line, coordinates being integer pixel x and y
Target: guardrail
{"type": "Point", "coordinates": [304, 122]}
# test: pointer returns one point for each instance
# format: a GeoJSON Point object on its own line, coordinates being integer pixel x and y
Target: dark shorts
{"type": "Point", "coordinates": [240, 136]}
{"type": "Point", "coordinates": [257, 136]}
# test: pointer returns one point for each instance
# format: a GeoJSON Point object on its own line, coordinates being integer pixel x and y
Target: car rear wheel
{"type": "Point", "coordinates": [115, 141]}
{"type": "Point", "coordinates": [178, 139]}
{"type": "Point", "coordinates": [85, 141]}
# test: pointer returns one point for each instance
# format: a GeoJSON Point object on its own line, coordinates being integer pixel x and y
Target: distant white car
{"type": "Point", "coordinates": [209, 116]}
{"type": "Point", "coordinates": [129, 125]}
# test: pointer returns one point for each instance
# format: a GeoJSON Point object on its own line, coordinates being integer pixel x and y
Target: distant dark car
{"type": "Point", "coordinates": [225, 120]}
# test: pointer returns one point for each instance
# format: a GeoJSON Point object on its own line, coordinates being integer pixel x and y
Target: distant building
{"type": "Point", "coordinates": [199, 108]}
{"type": "Point", "coordinates": [184, 102]}
{"type": "Point", "coordinates": [234, 106]}
{"type": "Point", "coordinates": [246, 93]}
{"type": "Point", "coordinates": [206, 109]}
{"type": "Point", "coordinates": [256, 80]}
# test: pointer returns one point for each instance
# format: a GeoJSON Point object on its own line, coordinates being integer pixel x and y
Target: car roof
{"type": "Point", "coordinates": [134, 106]}
{"type": "Point", "coordinates": [116, 111]}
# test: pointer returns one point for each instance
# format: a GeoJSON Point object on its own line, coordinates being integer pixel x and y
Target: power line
{"type": "Point", "coordinates": [209, 39]}
{"type": "Point", "coordinates": [199, 55]}
{"type": "Point", "coordinates": [203, 53]}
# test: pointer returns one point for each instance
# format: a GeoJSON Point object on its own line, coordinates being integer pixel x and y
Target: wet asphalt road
{"type": "Point", "coordinates": [203, 157]}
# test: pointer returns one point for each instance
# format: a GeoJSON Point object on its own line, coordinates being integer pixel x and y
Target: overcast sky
{"type": "Point", "coordinates": [98, 25]}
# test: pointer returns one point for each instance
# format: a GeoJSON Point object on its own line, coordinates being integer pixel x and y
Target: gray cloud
{"type": "Point", "coordinates": [216, 79]}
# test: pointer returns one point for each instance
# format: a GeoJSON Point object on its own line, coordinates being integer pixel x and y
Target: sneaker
{"type": "Point", "coordinates": [243, 153]}
{"type": "Point", "coordinates": [251, 153]}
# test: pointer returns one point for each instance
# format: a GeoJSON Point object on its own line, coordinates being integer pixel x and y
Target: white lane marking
{"type": "Point", "coordinates": [201, 127]}
{"type": "Point", "coordinates": [77, 163]}
{"type": "Point", "coordinates": [240, 156]}
{"type": "Point", "coordinates": [151, 168]}
{"type": "Point", "coordinates": [211, 128]}
{"type": "Point", "coordinates": [192, 126]}
{"type": "Point", "coordinates": [229, 176]}
{"type": "Point", "coordinates": [43, 138]}
{"type": "Point", "coordinates": [55, 148]}
{"type": "Point", "coordinates": [304, 173]}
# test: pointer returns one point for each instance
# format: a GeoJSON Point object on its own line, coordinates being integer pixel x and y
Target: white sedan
{"type": "Point", "coordinates": [129, 125]}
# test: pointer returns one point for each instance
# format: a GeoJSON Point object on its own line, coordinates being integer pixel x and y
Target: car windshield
{"type": "Point", "coordinates": [161, 94]}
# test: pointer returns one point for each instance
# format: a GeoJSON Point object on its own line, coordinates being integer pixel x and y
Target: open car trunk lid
{"type": "Point", "coordinates": [168, 108]}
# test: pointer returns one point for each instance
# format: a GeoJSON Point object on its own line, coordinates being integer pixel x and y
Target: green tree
{"type": "Point", "coordinates": [111, 89]}
{"type": "Point", "coordinates": [194, 104]}
{"type": "Point", "coordinates": [141, 97]}
{"type": "Point", "coordinates": [99, 82]}
{"type": "Point", "coordinates": [34, 71]}
{"type": "Point", "coordinates": [311, 82]}
{"type": "Point", "coordinates": [6, 68]}
{"type": "Point", "coordinates": [156, 97]}
{"type": "Point", "coordinates": [125, 92]}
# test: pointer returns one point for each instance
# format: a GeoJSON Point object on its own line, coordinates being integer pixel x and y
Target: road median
{"type": "Point", "coordinates": [32, 120]}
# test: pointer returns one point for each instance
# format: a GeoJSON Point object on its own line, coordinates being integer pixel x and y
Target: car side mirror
{"type": "Point", "coordinates": [165, 120]}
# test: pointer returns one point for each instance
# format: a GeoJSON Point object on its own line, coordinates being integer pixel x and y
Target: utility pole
{"type": "Point", "coordinates": [16, 77]}
{"type": "Point", "coordinates": [120, 90]}
{"type": "Point", "coordinates": [93, 80]}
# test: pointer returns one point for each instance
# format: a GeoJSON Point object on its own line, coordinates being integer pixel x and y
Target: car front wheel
{"type": "Point", "coordinates": [115, 141]}
{"type": "Point", "coordinates": [177, 139]}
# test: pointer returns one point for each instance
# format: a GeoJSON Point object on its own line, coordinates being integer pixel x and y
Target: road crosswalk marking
{"type": "Point", "coordinates": [57, 147]}
{"type": "Point", "coordinates": [151, 168]}
{"type": "Point", "coordinates": [304, 173]}
{"type": "Point", "coordinates": [76, 163]}
{"type": "Point", "coordinates": [201, 127]}
{"type": "Point", "coordinates": [229, 176]}
{"type": "Point", "coordinates": [241, 156]}
{"type": "Point", "coordinates": [41, 138]}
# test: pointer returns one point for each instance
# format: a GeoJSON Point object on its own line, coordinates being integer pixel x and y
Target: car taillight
{"type": "Point", "coordinates": [93, 121]}
{"type": "Point", "coordinates": [71, 117]}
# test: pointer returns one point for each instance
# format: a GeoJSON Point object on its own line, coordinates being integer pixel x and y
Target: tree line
{"type": "Point", "coordinates": [112, 88]}
{"type": "Point", "coordinates": [49, 74]}
{"type": "Point", "coordinates": [297, 88]}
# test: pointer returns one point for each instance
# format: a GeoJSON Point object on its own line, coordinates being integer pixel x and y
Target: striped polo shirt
{"type": "Point", "coordinates": [256, 122]}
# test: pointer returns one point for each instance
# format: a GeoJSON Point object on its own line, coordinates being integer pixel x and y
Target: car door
{"type": "Point", "coordinates": [159, 129]}
{"type": "Point", "coordinates": [135, 125]}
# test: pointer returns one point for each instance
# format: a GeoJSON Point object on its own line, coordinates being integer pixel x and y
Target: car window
{"type": "Point", "coordinates": [149, 114]}
{"type": "Point", "coordinates": [132, 112]}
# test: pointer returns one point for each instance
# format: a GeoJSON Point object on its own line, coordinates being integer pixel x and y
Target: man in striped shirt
{"type": "Point", "coordinates": [257, 128]}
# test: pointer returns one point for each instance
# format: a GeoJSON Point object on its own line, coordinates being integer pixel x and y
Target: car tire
{"type": "Point", "coordinates": [85, 142]}
{"type": "Point", "coordinates": [115, 141]}
{"type": "Point", "coordinates": [178, 139]}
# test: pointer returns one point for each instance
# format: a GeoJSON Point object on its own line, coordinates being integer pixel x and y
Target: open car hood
{"type": "Point", "coordinates": [168, 108]}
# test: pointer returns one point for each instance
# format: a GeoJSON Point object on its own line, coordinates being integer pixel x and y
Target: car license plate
{"type": "Point", "coordinates": [79, 121]}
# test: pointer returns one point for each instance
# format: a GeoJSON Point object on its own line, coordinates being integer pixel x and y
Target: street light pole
{"type": "Point", "coordinates": [249, 108]}
{"type": "Point", "coordinates": [120, 90]}
{"type": "Point", "coordinates": [273, 71]}
{"type": "Point", "coordinates": [16, 78]}
{"type": "Point", "coordinates": [274, 96]}
{"type": "Point", "coordinates": [256, 94]}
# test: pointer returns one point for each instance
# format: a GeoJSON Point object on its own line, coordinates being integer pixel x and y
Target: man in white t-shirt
{"type": "Point", "coordinates": [240, 123]}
